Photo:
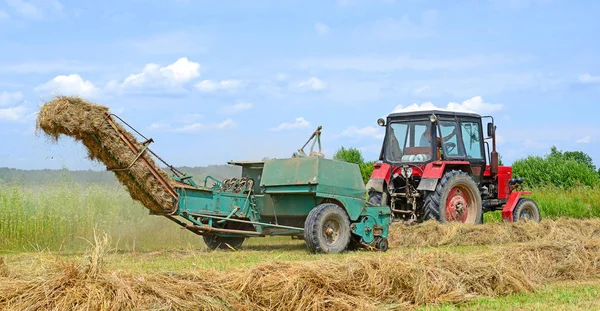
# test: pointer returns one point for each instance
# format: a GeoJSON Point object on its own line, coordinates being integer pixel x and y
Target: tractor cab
{"type": "Point", "coordinates": [418, 138]}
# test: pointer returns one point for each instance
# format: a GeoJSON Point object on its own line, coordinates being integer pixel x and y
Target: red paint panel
{"type": "Point", "coordinates": [381, 171]}
{"type": "Point", "coordinates": [509, 207]}
{"type": "Point", "coordinates": [504, 175]}
{"type": "Point", "coordinates": [436, 169]}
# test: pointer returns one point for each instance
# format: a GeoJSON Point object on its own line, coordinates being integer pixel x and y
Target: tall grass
{"type": "Point", "coordinates": [64, 215]}
{"type": "Point", "coordinates": [577, 202]}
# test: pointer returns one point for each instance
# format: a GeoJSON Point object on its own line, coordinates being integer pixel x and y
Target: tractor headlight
{"type": "Point", "coordinates": [433, 118]}
{"type": "Point", "coordinates": [381, 122]}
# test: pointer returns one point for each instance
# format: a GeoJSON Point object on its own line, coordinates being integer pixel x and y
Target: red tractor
{"type": "Point", "coordinates": [438, 165]}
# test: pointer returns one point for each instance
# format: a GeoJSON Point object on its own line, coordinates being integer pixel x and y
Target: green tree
{"type": "Point", "coordinates": [353, 155]}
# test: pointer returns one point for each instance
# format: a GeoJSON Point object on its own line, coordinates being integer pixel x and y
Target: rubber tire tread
{"type": "Point", "coordinates": [312, 232]}
{"type": "Point", "coordinates": [520, 204]}
{"type": "Point", "coordinates": [431, 206]}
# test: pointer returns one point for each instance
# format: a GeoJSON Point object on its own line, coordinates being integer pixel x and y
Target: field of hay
{"type": "Point", "coordinates": [65, 246]}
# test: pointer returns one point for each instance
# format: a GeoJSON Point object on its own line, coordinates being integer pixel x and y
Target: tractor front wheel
{"type": "Point", "coordinates": [526, 210]}
{"type": "Point", "coordinates": [327, 229]}
{"type": "Point", "coordinates": [455, 199]}
{"type": "Point", "coordinates": [214, 241]}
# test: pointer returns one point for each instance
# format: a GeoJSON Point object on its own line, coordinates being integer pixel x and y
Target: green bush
{"type": "Point", "coordinates": [561, 169]}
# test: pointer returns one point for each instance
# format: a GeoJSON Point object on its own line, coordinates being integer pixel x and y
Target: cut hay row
{"type": "Point", "coordinates": [433, 234]}
{"type": "Point", "coordinates": [400, 280]}
{"type": "Point", "coordinates": [85, 122]}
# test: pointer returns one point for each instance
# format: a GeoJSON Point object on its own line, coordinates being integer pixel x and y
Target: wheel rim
{"type": "Point", "coordinates": [527, 213]}
{"type": "Point", "coordinates": [331, 231]}
{"type": "Point", "coordinates": [460, 205]}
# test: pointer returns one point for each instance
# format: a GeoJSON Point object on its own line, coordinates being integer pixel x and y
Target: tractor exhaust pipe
{"type": "Point", "coordinates": [494, 162]}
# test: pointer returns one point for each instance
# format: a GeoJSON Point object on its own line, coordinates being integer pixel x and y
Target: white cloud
{"type": "Point", "coordinates": [299, 123]}
{"type": "Point", "coordinates": [585, 140]}
{"type": "Point", "coordinates": [322, 29]}
{"type": "Point", "coordinates": [313, 84]}
{"type": "Point", "coordinates": [35, 10]}
{"type": "Point", "coordinates": [208, 86]}
{"type": "Point", "coordinates": [368, 131]}
{"type": "Point", "coordinates": [196, 127]}
{"type": "Point", "coordinates": [13, 114]}
{"type": "Point", "coordinates": [390, 29]}
{"type": "Point", "coordinates": [10, 98]}
{"type": "Point", "coordinates": [474, 104]}
{"type": "Point", "coordinates": [173, 75]}
{"type": "Point", "coordinates": [4, 16]}
{"type": "Point", "coordinates": [239, 107]}
{"type": "Point", "coordinates": [25, 9]}
{"type": "Point", "coordinates": [587, 78]}
{"type": "Point", "coordinates": [72, 84]}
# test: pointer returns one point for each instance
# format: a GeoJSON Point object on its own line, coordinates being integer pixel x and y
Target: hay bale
{"type": "Point", "coordinates": [85, 122]}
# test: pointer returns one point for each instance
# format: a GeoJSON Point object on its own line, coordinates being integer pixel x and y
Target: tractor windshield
{"type": "Point", "coordinates": [409, 142]}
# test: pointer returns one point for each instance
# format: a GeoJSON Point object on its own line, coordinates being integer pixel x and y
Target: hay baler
{"type": "Point", "coordinates": [320, 200]}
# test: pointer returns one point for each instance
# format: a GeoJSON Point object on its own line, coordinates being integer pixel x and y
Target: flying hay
{"type": "Point", "coordinates": [86, 123]}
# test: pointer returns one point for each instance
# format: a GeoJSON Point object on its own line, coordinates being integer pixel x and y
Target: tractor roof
{"type": "Point", "coordinates": [437, 112]}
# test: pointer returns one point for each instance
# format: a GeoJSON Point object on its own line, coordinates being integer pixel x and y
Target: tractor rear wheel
{"type": "Point", "coordinates": [327, 229]}
{"type": "Point", "coordinates": [526, 210]}
{"type": "Point", "coordinates": [455, 199]}
{"type": "Point", "coordinates": [214, 241]}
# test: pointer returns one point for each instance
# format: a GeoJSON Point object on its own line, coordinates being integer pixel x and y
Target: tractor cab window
{"type": "Point", "coordinates": [449, 138]}
{"type": "Point", "coordinates": [471, 137]}
{"type": "Point", "coordinates": [409, 142]}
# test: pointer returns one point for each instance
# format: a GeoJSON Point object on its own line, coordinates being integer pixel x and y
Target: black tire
{"type": "Point", "coordinates": [436, 201]}
{"type": "Point", "coordinates": [213, 242]}
{"type": "Point", "coordinates": [526, 210]}
{"type": "Point", "coordinates": [327, 229]}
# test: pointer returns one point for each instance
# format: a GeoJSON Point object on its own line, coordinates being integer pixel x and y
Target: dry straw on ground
{"type": "Point", "coordinates": [432, 233]}
{"type": "Point", "coordinates": [85, 122]}
{"type": "Point", "coordinates": [401, 279]}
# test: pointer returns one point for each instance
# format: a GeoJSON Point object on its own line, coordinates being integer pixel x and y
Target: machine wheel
{"type": "Point", "coordinates": [214, 241]}
{"type": "Point", "coordinates": [526, 210]}
{"type": "Point", "coordinates": [327, 229]}
{"type": "Point", "coordinates": [381, 244]}
{"type": "Point", "coordinates": [455, 199]}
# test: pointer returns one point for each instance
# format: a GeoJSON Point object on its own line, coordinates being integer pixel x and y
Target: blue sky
{"type": "Point", "coordinates": [213, 81]}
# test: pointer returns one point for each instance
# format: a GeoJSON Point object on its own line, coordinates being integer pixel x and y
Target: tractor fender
{"type": "Point", "coordinates": [435, 170]}
{"type": "Point", "coordinates": [380, 177]}
{"type": "Point", "coordinates": [511, 203]}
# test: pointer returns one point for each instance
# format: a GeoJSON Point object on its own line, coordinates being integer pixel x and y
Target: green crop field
{"type": "Point", "coordinates": [61, 216]}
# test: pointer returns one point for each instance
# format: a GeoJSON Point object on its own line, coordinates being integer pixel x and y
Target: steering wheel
{"type": "Point", "coordinates": [450, 147]}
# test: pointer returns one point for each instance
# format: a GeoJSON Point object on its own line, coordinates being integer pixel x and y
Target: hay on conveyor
{"type": "Point", "coordinates": [85, 122]}
{"type": "Point", "coordinates": [402, 280]}
{"type": "Point", "coordinates": [433, 234]}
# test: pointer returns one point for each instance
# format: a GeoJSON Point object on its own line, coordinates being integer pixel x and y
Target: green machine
{"type": "Point", "coordinates": [305, 196]}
